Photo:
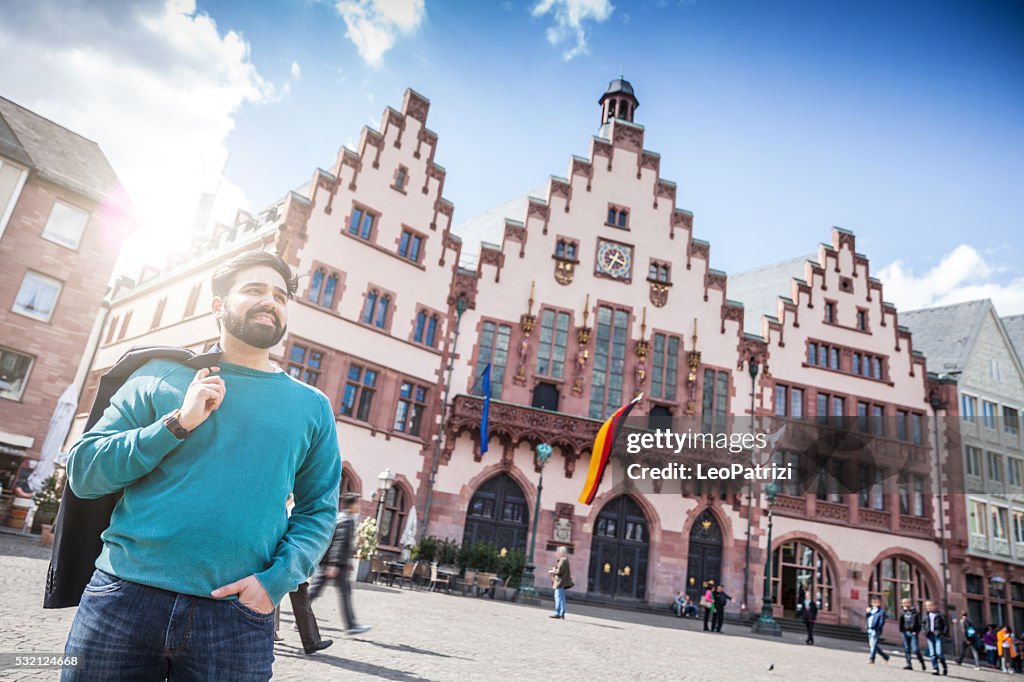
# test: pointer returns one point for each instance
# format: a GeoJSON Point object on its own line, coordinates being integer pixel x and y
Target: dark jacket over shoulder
{"type": "Point", "coordinates": [80, 521]}
{"type": "Point", "coordinates": [341, 546]}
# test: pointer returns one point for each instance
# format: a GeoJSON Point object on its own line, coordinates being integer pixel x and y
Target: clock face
{"type": "Point", "coordinates": [614, 260]}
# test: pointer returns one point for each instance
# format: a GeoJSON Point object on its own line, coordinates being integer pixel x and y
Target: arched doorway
{"type": "Point", "coordinates": [704, 556]}
{"type": "Point", "coordinates": [898, 577]}
{"type": "Point", "coordinates": [498, 514]}
{"type": "Point", "coordinates": [618, 551]}
{"type": "Point", "coordinates": [798, 566]}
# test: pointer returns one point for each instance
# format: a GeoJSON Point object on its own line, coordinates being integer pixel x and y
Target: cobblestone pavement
{"type": "Point", "coordinates": [419, 635]}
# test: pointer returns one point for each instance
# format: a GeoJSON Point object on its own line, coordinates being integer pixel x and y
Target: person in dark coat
{"type": "Point", "coordinates": [972, 640]}
{"type": "Point", "coordinates": [720, 599]}
{"type": "Point", "coordinates": [934, 627]}
{"type": "Point", "coordinates": [305, 621]}
{"type": "Point", "coordinates": [335, 565]}
{"type": "Point", "coordinates": [910, 626]}
{"type": "Point", "coordinates": [808, 610]}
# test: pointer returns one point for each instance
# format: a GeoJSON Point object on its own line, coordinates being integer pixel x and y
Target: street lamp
{"type": "Point", "coordinates": [527, 589]}
{"type": "Point", "coordinates": [752, 367]}
{"type": "Point", "coordinates": [766, 624]}
{"type": "Point", "coordinates": [935, 400]}
{"type": "Point", "coordinates": [385, 480]}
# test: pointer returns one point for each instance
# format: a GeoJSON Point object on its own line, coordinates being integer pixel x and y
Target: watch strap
{"type": "Point", "coordinates": [174, 426]}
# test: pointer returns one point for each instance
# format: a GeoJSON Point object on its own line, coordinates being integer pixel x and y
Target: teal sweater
{"type": "Point", "coordinates": [209, 510]}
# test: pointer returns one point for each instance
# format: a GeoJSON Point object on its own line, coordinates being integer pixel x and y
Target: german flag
{"type": "Point", "coordinates": [602, 449]}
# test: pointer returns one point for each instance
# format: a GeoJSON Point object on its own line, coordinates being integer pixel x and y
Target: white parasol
{"type": "Point", "coordinates": [408, 538]}
{"type": "Point", "coordinates": [60, 422]}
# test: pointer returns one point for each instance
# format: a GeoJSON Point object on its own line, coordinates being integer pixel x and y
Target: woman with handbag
{"type": "Point", "coordinates": [708, 602]}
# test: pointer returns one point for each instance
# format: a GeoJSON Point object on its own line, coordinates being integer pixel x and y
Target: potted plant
{"type": "Point", "coordinates": [47, 503]}
{"type": "Point", "coordinates": [366, 547]}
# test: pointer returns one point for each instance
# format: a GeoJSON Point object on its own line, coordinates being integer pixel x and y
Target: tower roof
{"type": "Point", "coordinates": [619, 86]}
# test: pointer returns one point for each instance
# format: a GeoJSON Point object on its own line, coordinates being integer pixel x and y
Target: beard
{"type": "Point", "coordinates": [252, 333]}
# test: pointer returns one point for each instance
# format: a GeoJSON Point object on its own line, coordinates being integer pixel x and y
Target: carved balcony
{"type": "Point", "coordinates": [512, 424]}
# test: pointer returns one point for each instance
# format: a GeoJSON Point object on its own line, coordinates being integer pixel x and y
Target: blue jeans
{"type": "Point", "coordinates": [131, 632]}
{"type": "Point", "coordinates": [935, 651]}
{"type": "Point", "coordinates": [911, 646]}
{"type": "Point", "coordinates": [559, 601]}
{"type": "Point", "coordinates": [873, 640]}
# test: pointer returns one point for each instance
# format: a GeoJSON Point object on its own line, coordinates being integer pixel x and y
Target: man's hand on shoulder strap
{"type": "Point", "coordinates": [204, 395]}
{"type": "Point", "coordinates": [250, 593]}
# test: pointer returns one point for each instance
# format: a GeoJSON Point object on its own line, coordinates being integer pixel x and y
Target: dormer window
{"type": "Point", "coordinates": [659, 272]}
{"type": "Point", "coordinates": [618, 216]}
{"type": "Point", "coordinates": [362, 222]}
{"type": "Point", "coordinates": [565, 249]}
{"type": "Point", "coordinates": [401, 177]}
{"type": "Point", "coordinates": [862, 319]}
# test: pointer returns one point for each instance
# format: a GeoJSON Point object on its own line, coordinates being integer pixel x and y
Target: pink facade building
{"type": "Point", "coordinates": [582, 297]}
{"type": "Point", "coordinates": [63, 216]}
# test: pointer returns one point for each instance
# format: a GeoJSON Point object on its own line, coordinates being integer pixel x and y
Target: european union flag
{"type": "Point", "coordinates": [484, 431]}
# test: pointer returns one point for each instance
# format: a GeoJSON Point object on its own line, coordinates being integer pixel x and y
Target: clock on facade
{"type": "Point", "coordinates": [614, 260]}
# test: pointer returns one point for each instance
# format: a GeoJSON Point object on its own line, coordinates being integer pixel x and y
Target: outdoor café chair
{"type": "Point", "coordinates": [436, 579]}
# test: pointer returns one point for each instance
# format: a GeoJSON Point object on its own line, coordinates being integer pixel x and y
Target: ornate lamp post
{"type": "Point", "coordinates": [385, 480]}
{"type": "Point", "coordinates": [753, 367]}
{"type": "Point", "coordinates": [766, 624]}
{"type": "Point", "coordinates": [527, 589]}
{"type": "Point", "coordinates": [937, 404]}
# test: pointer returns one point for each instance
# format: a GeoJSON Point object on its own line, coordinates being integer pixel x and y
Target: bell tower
{"type": "Point", "coordinates": [618, 101]}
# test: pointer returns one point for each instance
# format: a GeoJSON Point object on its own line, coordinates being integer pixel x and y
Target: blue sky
{"type": "Point", "coordinates": [902, 121]}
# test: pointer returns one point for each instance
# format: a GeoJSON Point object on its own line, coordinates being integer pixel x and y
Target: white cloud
{"type": "Point", "coordinates": [374, 25]}
{"type": "Point", "coordinates": [570, 16]}
{"type": "Point", "coordinates": [296, 71]}
{"type": "Point", "coordinates": [155, 84]}
{"type": "Point", "coordinates": [962, 275]}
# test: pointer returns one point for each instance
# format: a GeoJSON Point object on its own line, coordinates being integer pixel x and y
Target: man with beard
{"type": "Point", "coordinates": [199, 550]}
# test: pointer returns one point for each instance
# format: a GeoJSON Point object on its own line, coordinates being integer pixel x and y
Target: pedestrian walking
{"type": "Point", "coordinates": [561, 580]}
{"type": "Point", "coordinates": [305, 622]}
{"type": "Point", "coordinates": [934, 631]}
{"type": "Point", "coordinates": [336, 565]}
{"type": "Point", "coordinates": [989, 640]}
{"type": "Point", "coordinates": [197, 554]}
{"type": "Point", "coordinates": [910, 626]}
{"type": "Point", "coordinates": [972, 641]}
{"type": "Point", "coordinates": [720, 599]}
{"type": "Point", "coordinates": [807, 610]}
{"type": "Point", "coordinates": [302, 609]}
{"type": "Point", "coordinates": [708, 602]}
{"type": "Point", "coordinates": [875, 624]}
{"type": "Point", "coordinates": [1006, 650]}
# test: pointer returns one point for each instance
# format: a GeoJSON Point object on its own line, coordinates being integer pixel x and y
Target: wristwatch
{"type": "Point", "coordinates": [175, 427]}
